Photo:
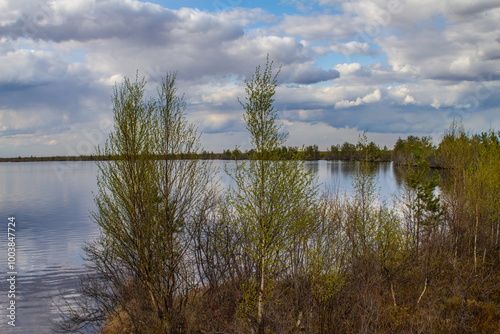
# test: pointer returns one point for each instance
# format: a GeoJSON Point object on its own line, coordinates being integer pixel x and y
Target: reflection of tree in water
{"type": "Point", "coordinates": [341, 169]}
{"type": "Point", "coordinates": [399, 175]}
{"type": "Point", "coordinates": [384, 168]}
{"type": "Point", "coordinates": [313, 166]}
{"type": "Point", "coordinates": [347, 168]}
{"type": "Point", "coordinates": [333, 167]}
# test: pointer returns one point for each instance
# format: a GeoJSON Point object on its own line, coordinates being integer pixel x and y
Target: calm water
{"type": "Point", "coordinates": [51, 202]}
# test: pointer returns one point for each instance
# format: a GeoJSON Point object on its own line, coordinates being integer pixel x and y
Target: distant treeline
{"type": "Point", "coordinates": [405, 151]}
{"type": "Point", "coordinates": [55, 158]}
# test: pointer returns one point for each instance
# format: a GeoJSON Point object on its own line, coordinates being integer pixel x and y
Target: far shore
{"type": "Point", "coordinates": [212, 156]}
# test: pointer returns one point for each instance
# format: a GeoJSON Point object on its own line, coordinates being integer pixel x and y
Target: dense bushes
{"type": "Point", "coordinates": [427, 264]}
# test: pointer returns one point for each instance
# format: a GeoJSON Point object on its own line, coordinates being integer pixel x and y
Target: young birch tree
{"type": "Point", "coordinates": [146, 201]}
{"type": "Point", "coordinates": [272, 197]}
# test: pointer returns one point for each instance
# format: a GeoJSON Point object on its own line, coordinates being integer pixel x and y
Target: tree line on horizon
{"type": "Point", "coordinates": [274, 254]}
{"type": "Point", "coordinates": [409, 150]}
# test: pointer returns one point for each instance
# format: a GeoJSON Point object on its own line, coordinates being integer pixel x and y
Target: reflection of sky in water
{"type": "Point", "coordinates": [51, 202]}
{"type": "Point", "coordinates": [52, 216]}
{"type": "Point", "coordinates": [336, 175]}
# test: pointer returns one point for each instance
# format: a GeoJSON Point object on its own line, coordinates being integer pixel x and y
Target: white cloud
{"type": "Point", "coordinates": [369, 98]}
{"type": "Point", "coordinates": [348, 68]}
{"type": "Point", "coordinates": [401, 94]}
{"type": "Point", "coordinates": [30, 66]}
{"type": "Point", "coordinates": [464, 51]}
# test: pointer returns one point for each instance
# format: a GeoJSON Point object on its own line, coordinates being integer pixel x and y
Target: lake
{"type": "Point", "coordinates": [51, 203]}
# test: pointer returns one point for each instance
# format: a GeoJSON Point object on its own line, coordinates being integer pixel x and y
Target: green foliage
{"type": "Point", "coordinates": [413, 150]}
{"type": "Point", "coordinates": [327, 249]}
{"type": "Point", "coordinates": [472, 183]}
{"type": "Point", "coordinates": [272, 197]}
{"type": "Point", "coordinates": [359, 151]}
{"type": "Point", "coordinates": [145, 208]}
{"type": "Point", "coordinates": [312, 152]}
{"type": "Point", "coordinates": [424, 209]}
{"type": "Point", "coordinates": [260, 115]}
{"type": "Point", "coordinates": [455, 150]}
{"type": "Point", "coordinates": [348, 150]}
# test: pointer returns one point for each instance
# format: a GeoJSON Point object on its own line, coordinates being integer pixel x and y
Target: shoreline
{"type": "Point", "coordinates": [216, 156]}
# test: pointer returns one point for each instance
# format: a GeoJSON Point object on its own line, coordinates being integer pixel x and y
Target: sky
{"type": "Point", "coordinates": [392, 68]}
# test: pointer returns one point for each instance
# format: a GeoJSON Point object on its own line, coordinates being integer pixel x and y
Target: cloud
{"type": "Point", "coordinates": [349, 48]}
{"type": "Point", "coordinates": [308, 74]}
{"type": "Point", "coordinates": [320, 27]}
{"type": "Point", "coordinates": [82, 21]}
{"type": "Point", "coordinates": [369, 98]}
{"type": "Point", "coordinates": [386, 66]}
{"type": "Point", "coordinates": [401, 94]}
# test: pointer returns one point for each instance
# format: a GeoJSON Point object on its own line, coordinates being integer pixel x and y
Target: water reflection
{"type": "Point", "coordinates": [52, 223]}
{"type": "Point", "coordinates": [401, 175]}
{"type": "Point", "coordinates": [338, 175]}
{"type": "Point", "coordinates": [313, 166]}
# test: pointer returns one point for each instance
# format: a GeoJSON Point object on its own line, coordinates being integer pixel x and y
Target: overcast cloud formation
{"type": "Point", "coordinates": [391, 67]}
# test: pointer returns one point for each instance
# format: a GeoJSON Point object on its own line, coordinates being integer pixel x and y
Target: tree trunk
{"type": "Point", "coordinates": [260, 302]}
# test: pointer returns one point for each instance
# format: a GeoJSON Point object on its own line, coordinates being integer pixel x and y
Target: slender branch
{"type": "Point", "coordinates": [423, 291]}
